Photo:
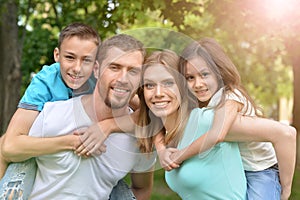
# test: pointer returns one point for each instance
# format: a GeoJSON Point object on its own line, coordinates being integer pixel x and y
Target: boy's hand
{"type": "Point", "coordinates": [165, 160]}
{"type": "Point", "coordinates": [92, 140]}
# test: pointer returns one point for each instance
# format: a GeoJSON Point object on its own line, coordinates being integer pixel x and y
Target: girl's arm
{"type": "Point", "coordinates": [223, 120]}
{"type": "Point", "coordinates": [18, 146]}
{"type": "Point", "coordinates": [283, 138]}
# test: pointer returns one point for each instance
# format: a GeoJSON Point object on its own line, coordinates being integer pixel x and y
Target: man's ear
{"type": "Point", "coordinates": [56, 54]}
{"type": "Point", "coordinates": [96, 69]}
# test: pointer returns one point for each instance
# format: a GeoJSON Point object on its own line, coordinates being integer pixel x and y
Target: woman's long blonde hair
{"type": "Point", "coordinates": [148, 124]}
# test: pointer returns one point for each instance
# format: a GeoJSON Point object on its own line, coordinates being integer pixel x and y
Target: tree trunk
{"type": "Point", "coordinates": [292, 45]}
{"type": "Point", "coordinates": [10, 72]}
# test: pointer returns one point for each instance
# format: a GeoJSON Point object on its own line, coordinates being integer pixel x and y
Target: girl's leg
{"type": "Point", "coordinates": [262, 185]}
{"type": "Point", "coordinates": [18, 180]}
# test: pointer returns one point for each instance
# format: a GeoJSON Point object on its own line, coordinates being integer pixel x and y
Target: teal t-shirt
{"type": "Point", "coordinates": [48, 86]}
{"type": "Point", "coordinates": [214, 174]}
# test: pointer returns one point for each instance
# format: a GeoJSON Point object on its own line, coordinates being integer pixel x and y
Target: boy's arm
{"type": "Point", "coordinates": [283, 138]}
{"type": "Point", "coordinates": [94, 137]}
{"type": "Point", "coordinates": [18, 146]}
{"type": "Point", "coordinates": [223, 119]}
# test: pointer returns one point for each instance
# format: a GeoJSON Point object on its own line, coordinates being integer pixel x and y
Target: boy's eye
{"type": "Point", "coordinates": [69, 57]}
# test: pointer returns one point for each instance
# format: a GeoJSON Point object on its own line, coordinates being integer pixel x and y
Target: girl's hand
{"type": "Point", "coordinates": [164, 158]}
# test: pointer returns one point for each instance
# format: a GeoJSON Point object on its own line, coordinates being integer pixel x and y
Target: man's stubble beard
{"type": "Point", "coordinates": [116, 105]}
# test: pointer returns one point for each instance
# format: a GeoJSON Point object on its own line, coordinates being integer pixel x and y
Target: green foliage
{"type": "Point", "coordinates": [258, 53]}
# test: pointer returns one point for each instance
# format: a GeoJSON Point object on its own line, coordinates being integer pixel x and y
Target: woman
{"type": "Point", "coordinates": [166, 101]}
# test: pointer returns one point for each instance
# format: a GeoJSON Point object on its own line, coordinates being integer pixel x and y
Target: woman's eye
{"type": "Point", "coordinates": [168, 83]}
{"type": "Point", "coordinates": [149, 85]}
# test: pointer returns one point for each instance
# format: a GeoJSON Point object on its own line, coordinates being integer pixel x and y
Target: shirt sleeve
{"type": "Point", "coordinates": [37, 94]}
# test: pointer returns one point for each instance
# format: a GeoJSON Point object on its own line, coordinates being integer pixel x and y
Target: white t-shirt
{"type": "Point", "coordinates": [64, 175]}
{"type": "Point", "coordinates": [256, 156]}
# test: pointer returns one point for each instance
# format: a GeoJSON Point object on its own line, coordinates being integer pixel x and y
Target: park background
{"type": "Point", "coordinates": [262, 37]}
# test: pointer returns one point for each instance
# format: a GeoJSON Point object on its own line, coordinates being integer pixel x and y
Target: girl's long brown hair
{"type": "Point", "coordinates": [227, 74]}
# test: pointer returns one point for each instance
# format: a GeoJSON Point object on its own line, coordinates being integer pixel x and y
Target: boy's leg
{"type": "Point", "coordinates": [262, 185]}
{"type": "Point", "coordinates": [3, 162]}
{"type": "Point", "coordinates": [121, 192]}
{"type": "Point", "coordinates": [18, 180]}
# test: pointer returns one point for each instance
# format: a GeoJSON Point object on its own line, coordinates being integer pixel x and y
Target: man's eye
{"type": "Point", "coordinates": [134, 72]}
{"type": "Point", "coordinates": [87, 60]}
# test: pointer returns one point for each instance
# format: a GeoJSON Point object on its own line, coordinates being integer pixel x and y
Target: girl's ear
{"type": "Point", "coordinates": [96, 69]}
{"type": "Point", "coordinates": [56, 54]}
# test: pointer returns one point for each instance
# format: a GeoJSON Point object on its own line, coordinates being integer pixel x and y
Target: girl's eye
{"type": "Point", "coordinates": [189, 78]}
{"type": "Point", "coordinates": [149, 85]}
{"type": "Point", "coordinates": [204, 74]}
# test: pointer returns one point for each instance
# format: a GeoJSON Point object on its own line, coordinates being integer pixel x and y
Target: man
{"type": "Point", "coordinates": [64, 175]}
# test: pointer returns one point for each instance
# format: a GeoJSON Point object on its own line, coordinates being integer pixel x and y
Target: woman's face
{"type": "Point", "coordinates": [161, 92]}
{"type": "Point", "coordinates": [201, 80]}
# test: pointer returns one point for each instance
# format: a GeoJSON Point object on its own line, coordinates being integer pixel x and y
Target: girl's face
{"type": "Point", "coordinates": [161, 93]}
{"type": "Point", "coordinates": [201, 80]}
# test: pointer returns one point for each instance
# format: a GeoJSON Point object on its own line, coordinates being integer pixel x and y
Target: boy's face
{"type": "Point", "coordinates": [77, 58]}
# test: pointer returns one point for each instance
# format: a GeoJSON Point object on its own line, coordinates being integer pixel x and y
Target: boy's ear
{"type": "Point", "coordinates": [56, 54]}
{"type": "Point", "coordinates": [96, 69]}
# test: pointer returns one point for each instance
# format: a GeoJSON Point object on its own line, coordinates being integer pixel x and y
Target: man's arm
{"type": "Point", "coordinates": [142, 184]}
{"type": "Point", "coordinates": [18, 146]}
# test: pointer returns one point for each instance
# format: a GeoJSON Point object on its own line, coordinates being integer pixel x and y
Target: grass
{"type": "Point", "coordinates": [162, 192]}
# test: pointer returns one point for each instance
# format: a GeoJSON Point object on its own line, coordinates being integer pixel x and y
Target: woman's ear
{"type": "Point", "coordinates": [56, 54]}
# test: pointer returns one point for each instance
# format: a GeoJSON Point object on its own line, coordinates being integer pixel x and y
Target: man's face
{"type": "Point", "coordinates": [119, 77]}
{"type": "Point", "coordinates": [77, 60]}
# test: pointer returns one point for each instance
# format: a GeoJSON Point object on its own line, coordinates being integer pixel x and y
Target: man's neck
{"type": "Point", "coordinates": [97, 110]}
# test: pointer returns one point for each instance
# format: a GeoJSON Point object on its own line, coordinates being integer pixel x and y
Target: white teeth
{"type": "Point", "coordinates": [119, 90]}
{"type": "Point", "coordinates": [161, 103]}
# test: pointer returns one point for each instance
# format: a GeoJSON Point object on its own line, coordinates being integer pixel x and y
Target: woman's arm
{"type": "Point", "coordinates": [18, 146]}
